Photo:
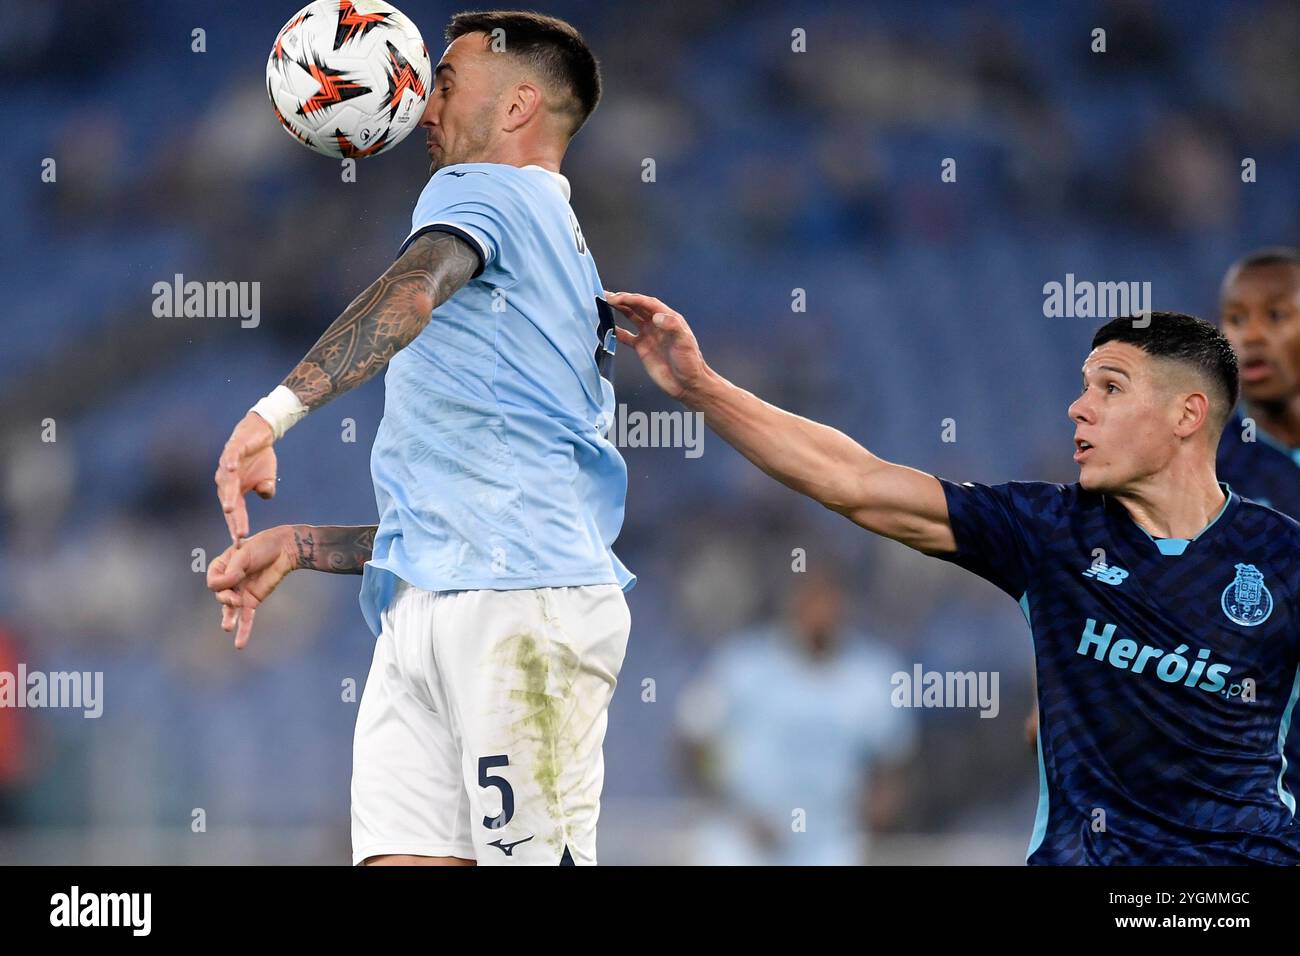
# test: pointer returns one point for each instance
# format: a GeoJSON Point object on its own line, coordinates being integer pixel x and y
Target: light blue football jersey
{"type": "Point", "coordinates": [491, 466]}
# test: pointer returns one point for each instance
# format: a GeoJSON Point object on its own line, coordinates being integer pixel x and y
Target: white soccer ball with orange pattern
{"type": "Point", "coordinates": [349, 78]}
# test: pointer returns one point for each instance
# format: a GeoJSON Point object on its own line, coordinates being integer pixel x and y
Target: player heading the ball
{"type": "Point", "coordinates": [490, 581]}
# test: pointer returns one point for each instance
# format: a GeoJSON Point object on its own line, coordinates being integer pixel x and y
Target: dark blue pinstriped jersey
{"type": "Point", "coordinates": [1264, 471]}
{"type": "Point", "coordinates": [1167, 672]}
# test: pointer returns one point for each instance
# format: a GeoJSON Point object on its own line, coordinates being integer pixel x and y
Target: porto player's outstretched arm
{"type": "Point", "coordinates": [244, 576]}
{"type": "Point", "coordinates": [378, 324]}
{"type": "Point", "coordinates": [813, 459]}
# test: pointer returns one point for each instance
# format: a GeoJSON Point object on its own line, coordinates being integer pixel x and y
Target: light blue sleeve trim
{"type": "Point", "coordinates": [1285, 795]}
{"type": "Point", "coordinates": [1044, 801]}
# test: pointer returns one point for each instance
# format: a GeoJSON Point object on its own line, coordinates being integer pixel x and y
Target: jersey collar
{"type": "Point", "coordinates": [1176, 546]}
{"type": "Point", "coordinates": [560, 181]}
{"type": "Point", "coordinates": [1267, 439]}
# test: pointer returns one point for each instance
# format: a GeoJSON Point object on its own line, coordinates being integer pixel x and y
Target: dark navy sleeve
{"type": "Point", "coordinates": [998, 528]}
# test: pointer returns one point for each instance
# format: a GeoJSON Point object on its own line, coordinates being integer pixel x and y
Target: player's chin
{"type": "Point", "coordinates": [1265, 392]}
{"type": "Point", "coordinates": [1101, 481]}
{"type": "Point", "coordinates": [1093, 479]}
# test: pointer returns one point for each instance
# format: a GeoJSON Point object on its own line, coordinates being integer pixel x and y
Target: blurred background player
{"type": "Point", "coordinates": [490, 581]}
{"type": "Point", "coordinates": [1259, 312]}
{"type": "Point", "coordinates": [794, 717]}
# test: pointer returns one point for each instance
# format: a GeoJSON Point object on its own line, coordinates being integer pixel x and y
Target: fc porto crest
{"type": "Point", "coordinates": [1246, 600]}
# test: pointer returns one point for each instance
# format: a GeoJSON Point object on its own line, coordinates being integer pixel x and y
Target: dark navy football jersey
{"type": "Point", "coordinates": [1167, 672]}
{"type": "Point", "coordinates": [1261, 470]}
{"type": "Point", "coordinates": [1264, 470]}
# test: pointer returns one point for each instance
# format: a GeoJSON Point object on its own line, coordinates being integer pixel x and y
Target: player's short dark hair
{"type": "Point", "coordinates": [1262, 259]}
{"type": "Point", "coordinates": [1189, 340]}
{"type": "Point", "coordinates": [551, 46]}
{"type": "Point", "coordinates": [1271, 256]}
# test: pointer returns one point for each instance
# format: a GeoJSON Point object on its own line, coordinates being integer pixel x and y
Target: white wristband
{"type": "Point", "coordinates": [282, 409]}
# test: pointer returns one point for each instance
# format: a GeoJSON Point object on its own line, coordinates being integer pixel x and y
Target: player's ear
{"type": "Point", "coordinates": [1194, 414]}
{"type": "Point", "coordinates": [525, 101]}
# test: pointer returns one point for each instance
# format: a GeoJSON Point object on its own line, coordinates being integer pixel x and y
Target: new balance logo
{"type": "Point", "coordinates": [1106, 573]}
{"type": "Point", "coordinates": [508, 848]}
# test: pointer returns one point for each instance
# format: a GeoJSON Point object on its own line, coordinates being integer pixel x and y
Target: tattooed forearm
{"type": "Point", "coordinates": [340, 549]}
{"type": "Point", "coordinates": [384, 319]}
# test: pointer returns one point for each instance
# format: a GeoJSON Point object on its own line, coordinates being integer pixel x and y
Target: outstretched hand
{"type": "Point", "coordinates": [663, 342]}
{"type": "Point", "coordinates": [244, 576]}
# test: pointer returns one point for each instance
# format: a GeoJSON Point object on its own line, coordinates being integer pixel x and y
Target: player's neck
{"type": "Point", "coordinates": [1179, 502]}
{"type": "Point", "coordinates": [1279, 420]}
{"type": "Point", "coordinates": [524, 154]}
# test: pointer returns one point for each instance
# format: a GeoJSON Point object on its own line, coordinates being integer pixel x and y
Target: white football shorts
{"type": "Point", "coordinates": [481, 724]}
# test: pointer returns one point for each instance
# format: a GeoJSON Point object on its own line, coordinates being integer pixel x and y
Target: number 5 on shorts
{"type": "Point", "coordinates": [486, 780]}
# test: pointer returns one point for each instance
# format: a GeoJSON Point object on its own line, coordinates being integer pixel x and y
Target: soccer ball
{"type": "Point", "coordinates": [348, 78]}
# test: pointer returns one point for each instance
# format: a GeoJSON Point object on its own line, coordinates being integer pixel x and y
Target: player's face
{"type": "Point", "coordinates": [818, 606]}
{"type": "Point", "coordinates": [1123, 419]}
{"type": "Point", "coordinates": [458, 118]}
{"type": "Point", "coordinates": [1259, 310]}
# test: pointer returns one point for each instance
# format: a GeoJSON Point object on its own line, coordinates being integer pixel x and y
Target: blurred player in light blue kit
{"type": "Point", "coordinates": [791, 732]}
